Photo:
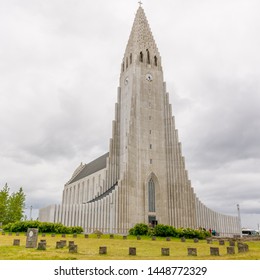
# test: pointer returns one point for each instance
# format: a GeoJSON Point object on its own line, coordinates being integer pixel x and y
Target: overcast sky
{"type": "Point", "coordinates": [59, 72]}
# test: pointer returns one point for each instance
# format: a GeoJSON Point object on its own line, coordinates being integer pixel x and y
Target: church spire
{"type": "Point", "coordinates": [141, 45]}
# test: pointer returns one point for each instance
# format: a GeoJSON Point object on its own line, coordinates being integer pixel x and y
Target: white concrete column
{"type": "Point", "coordinates": [82, 192]}
{"type": "Point", "coordinates": [197, 215]}
{"type": "Point", "coordinates": [102, 211]}
{"type": "Point", "coordinates": [73, 195]}
{"type": "Point", "coordinates": [73, 215]}
{"type": "Point", "coordinates": [116, 208]}
{"type": "Point", "coordinates": [92, 216]}
{"type": "Point", "coordinates": [111, 211]}
{"type": "Point", "coordinates": [98, 215]}
{"type": "Point", "coordinates": [88, 217]}
{"type": "Point", "coordinates": [70, 215]}
{"type": "Point", "coordinates": [77, 216]}
{"type": "Point", "coordinates": [106, 209]}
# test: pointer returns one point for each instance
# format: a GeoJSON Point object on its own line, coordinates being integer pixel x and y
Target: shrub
{"type": "Point", "coordinates": [164, 230]}
{"type": "Point", "coordinates": [168, 231]}
{"type": "Point", "coordinates": [42, 226]}
{"type": "Point", "coordinates": [139, 229]}
{"type": "Point", "coordinates": [192, 233]}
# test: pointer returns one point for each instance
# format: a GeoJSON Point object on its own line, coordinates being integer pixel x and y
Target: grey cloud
{"type": "Point", "coordinates": [59, 74]}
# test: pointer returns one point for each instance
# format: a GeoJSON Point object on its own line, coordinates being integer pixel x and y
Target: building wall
{"type": "Point", "coordinates": [85, 189]}
{"type": "Point", "coordinates": [48, 214]}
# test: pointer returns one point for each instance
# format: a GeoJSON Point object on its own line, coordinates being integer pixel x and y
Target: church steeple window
{"type": "Point", "coordinates": [155, 60]}
{"type": "Point", "coordinates": [131, 58]}
{"type": "Point", "coordinates": [141, 57]}
{"type": "Point", "coordinates": [126, 62]}
{"type": "Point", "coordinates": [148, 56]}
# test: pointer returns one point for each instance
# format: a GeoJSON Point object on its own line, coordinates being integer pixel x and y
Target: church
{"type": "Point", "coordinates": [142, 178]}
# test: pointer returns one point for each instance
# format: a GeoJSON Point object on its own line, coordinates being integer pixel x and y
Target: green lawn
{"type": "Point", "coordinates": [117, 249]}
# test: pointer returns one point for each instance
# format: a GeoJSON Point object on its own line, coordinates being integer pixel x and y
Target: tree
{"type": "Point", "coordinates": [16, 203]}
{"type": "Point", "coordinates": [4, 195]}
{"type": "Point", "coordinates": [11, 206]}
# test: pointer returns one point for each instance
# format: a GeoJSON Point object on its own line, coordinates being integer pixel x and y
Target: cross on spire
{"type": "Point", "coordinates": [140, 3]}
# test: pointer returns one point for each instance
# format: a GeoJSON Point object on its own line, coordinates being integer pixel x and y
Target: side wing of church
{"type": "Point", "coordinates": [143, 177]}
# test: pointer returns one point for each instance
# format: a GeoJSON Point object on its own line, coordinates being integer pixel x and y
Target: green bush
{"type": "Point", "coordinates": [43, 227]}
{"type": "Point", "coordinates": [190, 233]}
{"type": "Point", "coordinates": [164, 230]}
{"type": "Point", "coordinates": [161, 230]}
{"type": "Point", "coordinates": [139, 229]}
{"type": "Point", "coordinates": [21, 226]}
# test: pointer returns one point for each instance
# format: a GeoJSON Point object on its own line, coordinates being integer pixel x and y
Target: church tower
{"type": "Point", "coordinates": [151, 164]}
{"type": "Point", "coordinates": [142, 179]}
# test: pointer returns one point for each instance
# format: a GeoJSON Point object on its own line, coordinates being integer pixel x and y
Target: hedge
{"type": "Point", "coordinates": [43, 227]}
{"type": "Point", "coordinates": [139, 229]}
{"type": "Point", "coordinates": [161, 230]}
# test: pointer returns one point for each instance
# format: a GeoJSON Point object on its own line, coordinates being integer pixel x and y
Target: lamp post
{"type": "Point", "coordinates": [239, 219]}
{"type": "Point", "coordinates": [31, 212]}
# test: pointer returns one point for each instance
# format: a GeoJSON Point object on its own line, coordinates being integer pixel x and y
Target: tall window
{"type": "Point", "coordinates": [151, 196]}
{"type": "Point", "coordinates": [148, 56]}
{"type": "Point", "coordinates": [155, 60]}
{"type": "Point", "coordinates": [141, 57]}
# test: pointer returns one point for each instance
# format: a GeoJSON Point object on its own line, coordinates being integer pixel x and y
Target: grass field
{"type": "Point", "coordinates": [118, 249]}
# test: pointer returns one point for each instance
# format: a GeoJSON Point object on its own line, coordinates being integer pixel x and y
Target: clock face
{"type": "Point", "coordinates": [149, 77]}
{"type": "Point", "coordinates": [126, 80]}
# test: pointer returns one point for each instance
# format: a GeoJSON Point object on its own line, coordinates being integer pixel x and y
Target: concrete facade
{"type": "Point", "coordinates": [143, 177]}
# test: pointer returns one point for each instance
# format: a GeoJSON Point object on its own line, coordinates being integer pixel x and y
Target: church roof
{"type": "Point", "coordinates": [90, 168]}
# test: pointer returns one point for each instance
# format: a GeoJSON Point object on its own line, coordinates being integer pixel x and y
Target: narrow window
{"type": "Point", "coordinates": [126, 62]}
{"type": "Point", "coordinates": [150, 118]}
{"type": "Point", "coordinates": [151, 161]}
{"type": "Point", "coordinates": [123, 67]}
{"type": "Point", "coordinates": [150, 131]}
{"type": "Point", "coordinates": [155, 60]}
{"type": "Point", "coordinates": [151, 146]}
{"type": "Point", "coordinates": [151, 196]}
{"type": "Point", "coordinates": [131, 58]}
{"type": "Point", "coordinates": [148, 56]}
{"type": "Point", "coordinates": [141, 57]}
